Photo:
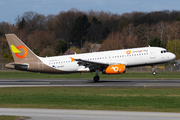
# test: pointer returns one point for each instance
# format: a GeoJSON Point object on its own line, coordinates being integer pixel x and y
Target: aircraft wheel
{"type": "Point", "coordinates": [154, 73]}
{"type": "Point", "coordinates": [96, 78]}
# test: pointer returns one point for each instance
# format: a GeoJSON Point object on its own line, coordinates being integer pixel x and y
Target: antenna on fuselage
{"type": "Point", "coordinates": [149, 46]}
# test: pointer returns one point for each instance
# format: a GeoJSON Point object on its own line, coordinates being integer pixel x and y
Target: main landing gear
{"type": "Point", "coordinates": [153, 69]}
{"type": "Point", "coordinates": [96, 78]}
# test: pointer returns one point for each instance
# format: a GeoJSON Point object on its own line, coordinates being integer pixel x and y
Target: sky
{"type": "Point", "coordinates": [10, 9]}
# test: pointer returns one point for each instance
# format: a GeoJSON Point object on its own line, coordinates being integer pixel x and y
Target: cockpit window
{"type": "Point", "coordinates": [164, 51]}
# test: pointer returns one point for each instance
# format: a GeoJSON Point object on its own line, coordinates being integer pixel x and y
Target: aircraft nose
{"type": "Point", "coordinates": [173, 56]}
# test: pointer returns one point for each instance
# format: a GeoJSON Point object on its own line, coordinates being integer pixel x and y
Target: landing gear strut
{"type": "Point", "coordinates": [153, 69]}
{"type": "Point", "coordinates": [96, 78]}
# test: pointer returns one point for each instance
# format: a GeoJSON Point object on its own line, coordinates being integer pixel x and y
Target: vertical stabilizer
{"type": "Point", "coordinates": [20, 52]}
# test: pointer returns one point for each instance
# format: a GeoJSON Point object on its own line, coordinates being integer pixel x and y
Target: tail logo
{"type": "Point", "coordinates": [16, 50]}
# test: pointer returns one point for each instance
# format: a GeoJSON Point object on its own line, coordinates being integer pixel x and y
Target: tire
{"type": "Point", "coordinates": [154, 73]}
{"type": "Point", "coordinates": [96, 78]}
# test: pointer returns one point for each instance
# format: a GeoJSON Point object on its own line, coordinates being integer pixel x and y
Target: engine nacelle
{"type": "Point", "coordinates": [115, 69]}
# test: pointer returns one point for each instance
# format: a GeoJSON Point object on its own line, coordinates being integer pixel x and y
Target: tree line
{"type": "Point", "coordinates": [74, 31]}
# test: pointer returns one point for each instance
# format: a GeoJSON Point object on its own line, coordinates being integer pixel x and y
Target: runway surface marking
{"type": "Point", "coordinates": [88, 83]}
{"type": "Point", "coordinates": [57, 114]}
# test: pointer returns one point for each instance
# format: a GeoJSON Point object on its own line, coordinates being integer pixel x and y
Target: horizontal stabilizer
{"type": "Point", "coordinates": [18, 66]}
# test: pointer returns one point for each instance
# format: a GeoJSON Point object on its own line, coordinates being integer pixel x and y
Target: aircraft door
{"type": "Point", "coordinates": [40, 65]}
{"type": "Point", "coordinates": [109, 58]}
{"type": "Point", "coordinates": [152, 53]}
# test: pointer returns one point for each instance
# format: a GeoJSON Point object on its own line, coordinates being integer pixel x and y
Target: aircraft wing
{"type": "Point", "coordinates": [92, 65]}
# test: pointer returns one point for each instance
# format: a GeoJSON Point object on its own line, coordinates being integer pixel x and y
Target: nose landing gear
{"type": "Point", "coordinates": [153, 69]}
{"type": "Point", "coordinates": [154, 72]}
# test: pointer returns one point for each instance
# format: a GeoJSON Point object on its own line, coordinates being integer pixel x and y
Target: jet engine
{"type": "Point", "coordinates": [115, 69]}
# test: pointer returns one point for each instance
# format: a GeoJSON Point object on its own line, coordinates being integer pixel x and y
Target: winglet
{"type": "Point", "coordinates": [72, 59]}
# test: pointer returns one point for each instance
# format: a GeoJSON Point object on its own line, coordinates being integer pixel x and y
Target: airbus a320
{"type": "Point", "coordinates": [107, 62]}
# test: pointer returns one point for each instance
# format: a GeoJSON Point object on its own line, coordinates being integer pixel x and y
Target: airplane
{"type": "Point", "coordinates": [107, 62]}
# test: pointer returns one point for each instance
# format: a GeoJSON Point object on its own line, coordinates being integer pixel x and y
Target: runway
{"type": "Point", "coordinates": [58, 114]}
{"type": "Point", "coordinates": [89, 83]}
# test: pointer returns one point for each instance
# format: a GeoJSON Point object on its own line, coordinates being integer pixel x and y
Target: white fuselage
{"type": "Point", "coordinates": [129, 57]}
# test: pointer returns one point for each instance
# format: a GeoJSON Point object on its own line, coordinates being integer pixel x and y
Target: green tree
{"type": "Point", "coordinates": [105, 33]}
{"type": "Point", "coordinates": [77, 50]}
{"type": "Point", "coordinates": [21, 24]}
{"type": "Point", "coordinates": [177, 18]}
{"type": "Point", "coordinates": [8, 57]}
{"type": "Point", "coordinates": [96, 31]}
{"type": "Point", "coordinates": [122, 23]}
{"type": "Point", "coordinates": [155, 42]}
{"type": "Point", "coordinates": [79, 31]}
{"type": "Point", "coordinates": [61, 47]}
{"type": "Point", "coordinates": [6, 53]}
{"type": "Point", "coordinates": [174, 47]}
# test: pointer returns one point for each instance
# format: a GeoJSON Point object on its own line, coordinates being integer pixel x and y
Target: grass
{"type": "Point", "coordinates": [6, 117]}
{"type": "Point", "coordinates": [123, 99]}
{"type": "Point", "coordinates": [139, 75]}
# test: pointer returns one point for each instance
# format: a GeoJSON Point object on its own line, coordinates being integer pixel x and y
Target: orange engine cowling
{"type": "Point", "coordinates": [115, 69]}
